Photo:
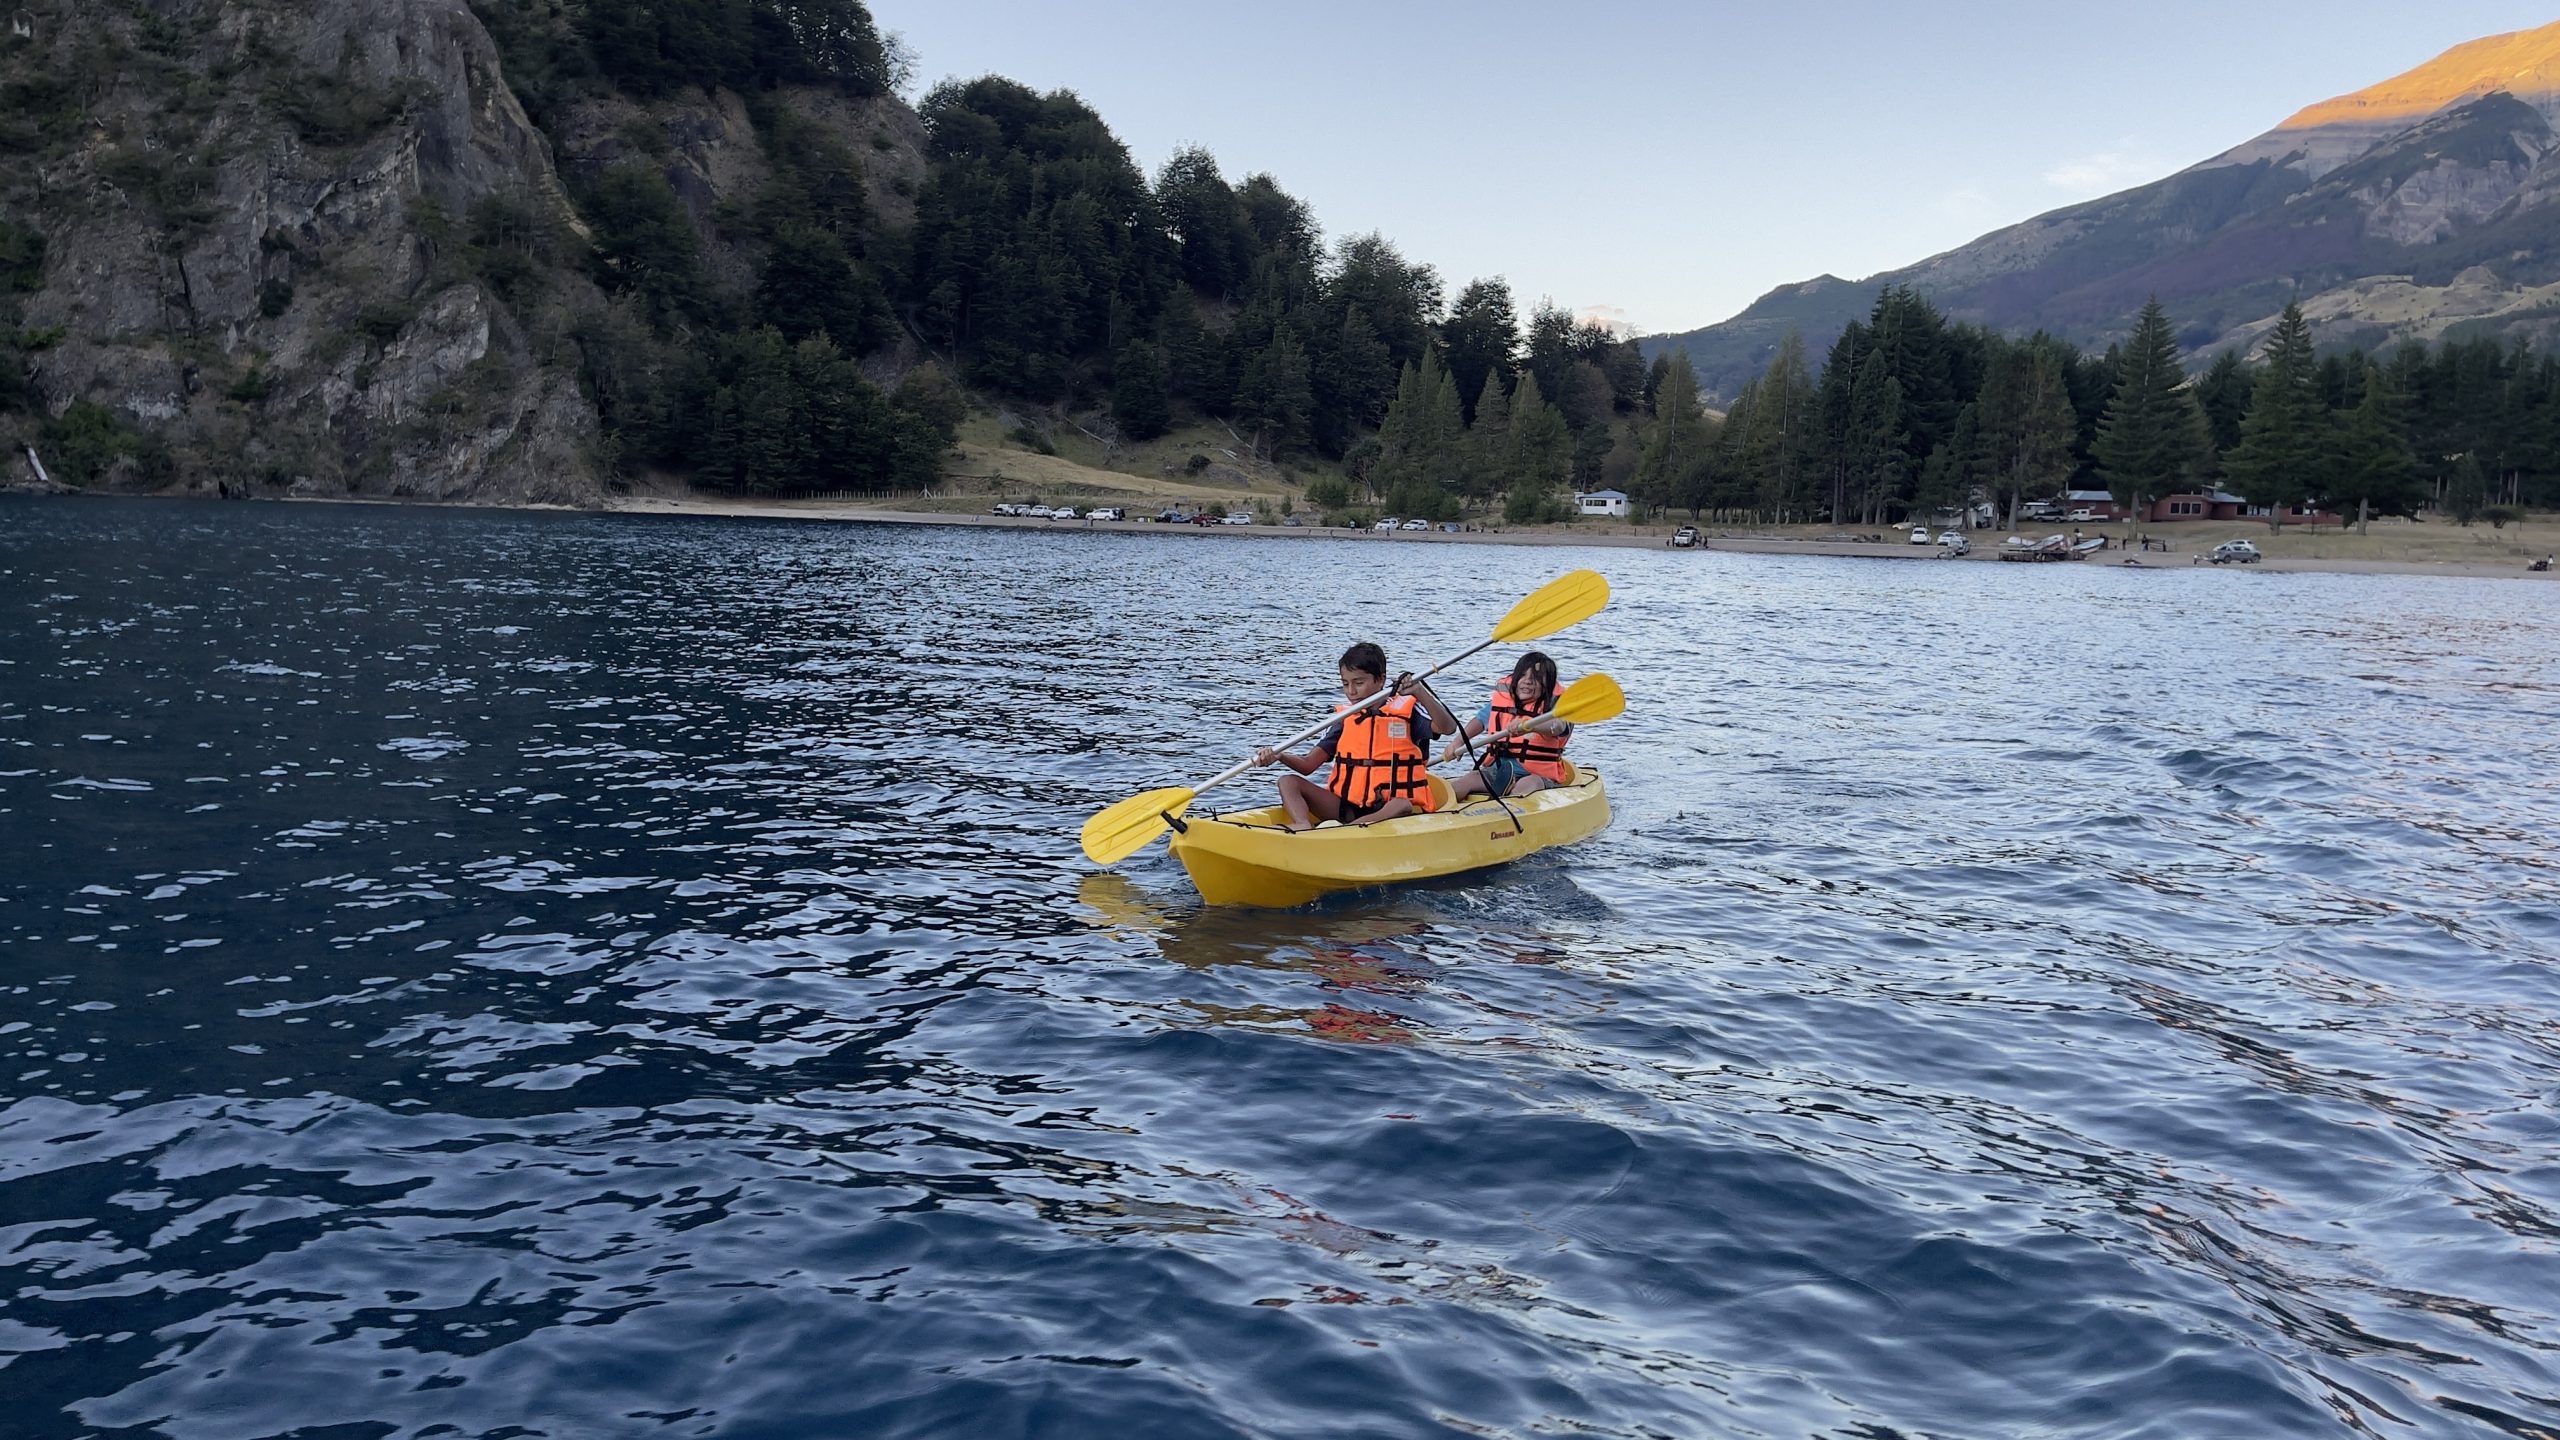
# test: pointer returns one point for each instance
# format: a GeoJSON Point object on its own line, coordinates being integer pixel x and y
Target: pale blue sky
{"type": "Point", "coordinates": [1671, 162]}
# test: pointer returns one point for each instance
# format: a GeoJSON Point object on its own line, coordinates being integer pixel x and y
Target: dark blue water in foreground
{"type": "Point", "coordinates": [511, 975]}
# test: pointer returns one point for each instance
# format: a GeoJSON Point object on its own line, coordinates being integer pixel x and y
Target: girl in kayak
{"type": "Point", "coordinates": [1379, 756]}
{"type": "Point", "coordinates": [1529, 761]}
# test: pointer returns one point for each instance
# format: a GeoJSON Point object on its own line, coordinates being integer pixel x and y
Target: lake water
{"type": "Point", "coordinates": [503, 975]}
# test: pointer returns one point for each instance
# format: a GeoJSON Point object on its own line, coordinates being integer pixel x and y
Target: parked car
{"type": "Point", "coordinates": [1387, 524]}
{"type": "Point", "coordinates": [1451, 527]}
{"type": "Point", "coordinates": [2037, 510]}
{"type": "Point", "coordinates": [1955, 543]}
{"type": "Point", "coordinates": [1038, 512]}
{"type": "Point", "coordinates": [2230, 551]}
{"type": "Point", "coordinates": [2083, 513]}
{"type": "Point", "coordinates": [1204, 518]}
{"type": "Point", "coordinates": [1919, 534]}
{"type": "Point", "coordinates": [1237, 517]}
{"type": "Point", "coordinates": [1006, 507]}
{"type": "Point", "coordinates": [1416, 525]}
{"type": "Point", "coordinates": [1173, 517]}
{"type": "Point", "coordinates": [1063, 512]}
{"type": "Point", "coordinates": [1685, 538]}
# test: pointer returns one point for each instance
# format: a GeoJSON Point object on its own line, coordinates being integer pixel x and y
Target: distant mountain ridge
{"type": "Point", "coordinates": [2412, 209]}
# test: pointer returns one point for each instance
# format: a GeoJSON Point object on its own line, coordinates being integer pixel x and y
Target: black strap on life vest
{"type": "Point", "coordinates": [1404, 774]}
{"type": "Point", "coordinates": [1529, 744]}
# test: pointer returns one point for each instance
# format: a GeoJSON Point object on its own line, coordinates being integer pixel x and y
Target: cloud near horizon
{"type": "Point", "coordinates": [1612, 316]}
{"type": "Point", "coordinates": [2105, 172]}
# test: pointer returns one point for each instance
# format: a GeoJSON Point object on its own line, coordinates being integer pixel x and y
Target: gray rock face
{"type": "Point", "coordinates": [254, 247]}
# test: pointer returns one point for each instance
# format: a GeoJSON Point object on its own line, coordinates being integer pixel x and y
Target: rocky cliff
{"type": "Point", "coordinates": [2414, 209]}
{"type": "Point", "coordinates": [319, 247]}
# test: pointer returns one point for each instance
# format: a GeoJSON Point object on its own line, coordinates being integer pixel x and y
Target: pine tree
{"type": "Point", "coordinates": [1677, 442]}
{"type": "Point", "coordinates": [2152, 437]}
{"type": "Point", "coordinates": [1541, 444]}
{"type": "Point", "coordinates": [2468, 492]}
{"type": "Point", "coordinates": [1489, 453]}
{"type": "Point", "coordinates": [2223, 393]}
{"type": "Point", "coordinates": [1275, 396]}
{"type": "Point", "coordinates": [2377, 469]}
{"type": "Point", "coordinates": [1138, 401]}
{"type": "Point", "coordinates": [1482, 336]}
{"type": "Point", "coordinates": [2284, 455]}
{"type": "Point", "coordinates": [1873, 453]}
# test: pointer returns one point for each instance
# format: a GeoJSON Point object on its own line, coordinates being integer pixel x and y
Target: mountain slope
{"type": "Point", "coordinates": [2402, 211]}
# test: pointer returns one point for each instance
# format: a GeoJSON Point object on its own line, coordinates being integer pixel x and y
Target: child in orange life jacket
{"type": "Point", "coordinates": [1529, 761]}
{"type": "Point", "coordinates": [1378, 756]}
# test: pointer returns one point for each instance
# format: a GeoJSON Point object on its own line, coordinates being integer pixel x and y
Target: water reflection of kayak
{"type": "Point", "coordinates": [1248, 857]}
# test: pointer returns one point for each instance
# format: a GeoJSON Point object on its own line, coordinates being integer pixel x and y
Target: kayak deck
{"type": "Point", "coordinates": [1249, 857]}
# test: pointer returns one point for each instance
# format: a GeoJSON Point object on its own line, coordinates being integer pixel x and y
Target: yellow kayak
{"type": "Point", "coordinates": [1248, 857]}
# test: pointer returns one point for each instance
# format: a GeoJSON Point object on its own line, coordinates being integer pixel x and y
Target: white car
{"type": "Point", "coordinates": [2230, 552]}
{"type": "Point", "coordinates": [1236, 517]}
{"type": "Point", "coordinates": [2083, 513]}
{"type": "Point", "coordinates": [1955, 543]}
{"type": "Point", "coordinates": [1919, 534]}
{"type": "Point", "coordinates": [1063, 512]}
{"type": "Point", "coordinates": [1387, 524]}
{"type": "Point", "coordinates": [1038, 512]}
{"type": "Point", "coordinates": [1415, 525]}
{"type": "Point", "coordinates": [1106, 512]}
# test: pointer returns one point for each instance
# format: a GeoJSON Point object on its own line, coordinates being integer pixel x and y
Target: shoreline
{"type": "Point", "coordinates": [1986, 551]}
{"type": "Point", "coordinates": [1731, 544]}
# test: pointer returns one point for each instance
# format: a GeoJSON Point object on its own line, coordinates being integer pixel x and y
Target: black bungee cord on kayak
{"type": "Point", "coordinates": [1479, 762]}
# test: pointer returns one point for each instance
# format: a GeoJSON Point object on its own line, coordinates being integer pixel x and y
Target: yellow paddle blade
{"type": "Point", "coordinates": [1593, 697]}
{"type": "Point", "coordinates": [1563, 601]}
{"type": "Point", "coordinates": [1117, 832]}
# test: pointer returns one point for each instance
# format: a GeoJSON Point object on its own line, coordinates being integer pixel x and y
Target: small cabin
{"type": "Point", "coordinates": [1600, 502]}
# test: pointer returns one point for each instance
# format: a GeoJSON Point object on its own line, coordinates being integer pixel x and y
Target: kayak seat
{"type": "Point", "coordinates": [1441, 798]}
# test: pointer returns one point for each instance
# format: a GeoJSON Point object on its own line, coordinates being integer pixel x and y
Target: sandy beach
{"type": "Point", "coordinates": [2191, 541]}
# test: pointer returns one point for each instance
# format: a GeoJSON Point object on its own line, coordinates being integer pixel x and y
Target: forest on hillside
{"type": "Point", "coordinates": [1910, 413]}
{"type": "Point", "coordinates": [810, 335]}
{"type": "Point", "coordinates": [1044, 268]}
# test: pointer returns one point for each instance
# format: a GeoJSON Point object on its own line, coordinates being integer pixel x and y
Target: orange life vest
{"type": "Point", "coordinates": [1540, 755]}
{"type": "Point", "coordinates": [1376, 759]}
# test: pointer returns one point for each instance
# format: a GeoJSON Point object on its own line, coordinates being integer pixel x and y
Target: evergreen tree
{"type": "Point", "coordinates": [1275, 396]}
{"type": "Point", "coordinates": [1489, 450]}
{"type": "Point", "coordinates": [1202, 220]}
{"type": "Point", "coordinates": [2029, 426]}
{"type": "Point", "coordinates": [2223, 394]}
{"type": "Point", "coordinates": [1139, 403]}
{"type": "Point", "coordinates": [2284, 451]}
{"type": "Point", "coordinates": [1872, 446]}
{"type": "Point", "coordinates": [2152, 437]}
{"type": "Point", "coordinates": [1481, 336]}
{"type": "Point", "coordinates": [2467, 494]}
{"type": "Point", "coordinates": [1541, 445]}
{"type": "Point", "coordinates": [1675, 449]}
{"type": "Point", "coordinates": [2377, 470]}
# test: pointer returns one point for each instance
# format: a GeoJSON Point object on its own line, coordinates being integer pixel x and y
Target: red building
{"type": "Point", "coordinates": [2223, 505]}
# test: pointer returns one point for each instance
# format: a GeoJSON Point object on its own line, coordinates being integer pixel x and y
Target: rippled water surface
{"type": "Point", "coordinates": [545, 975]}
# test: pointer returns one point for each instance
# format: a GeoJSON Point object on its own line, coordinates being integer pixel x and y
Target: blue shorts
{"type": "Point", "coordinates": [1501, 774]}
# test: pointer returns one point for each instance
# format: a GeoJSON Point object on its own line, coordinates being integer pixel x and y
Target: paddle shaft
{"type": "Point", "coordinates": [1384, 693]}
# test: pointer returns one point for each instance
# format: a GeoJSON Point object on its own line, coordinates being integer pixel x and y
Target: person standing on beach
{"type": "Point", "coordinates": [1379, 755]}
{"type": "Point", "coordinates": [1529, 761]}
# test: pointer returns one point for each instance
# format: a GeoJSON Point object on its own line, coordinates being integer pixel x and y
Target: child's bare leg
{"type": "Point", "coordinates": [1307, 802]}
{"type": "Point", "coordinates": [1387, 810]}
